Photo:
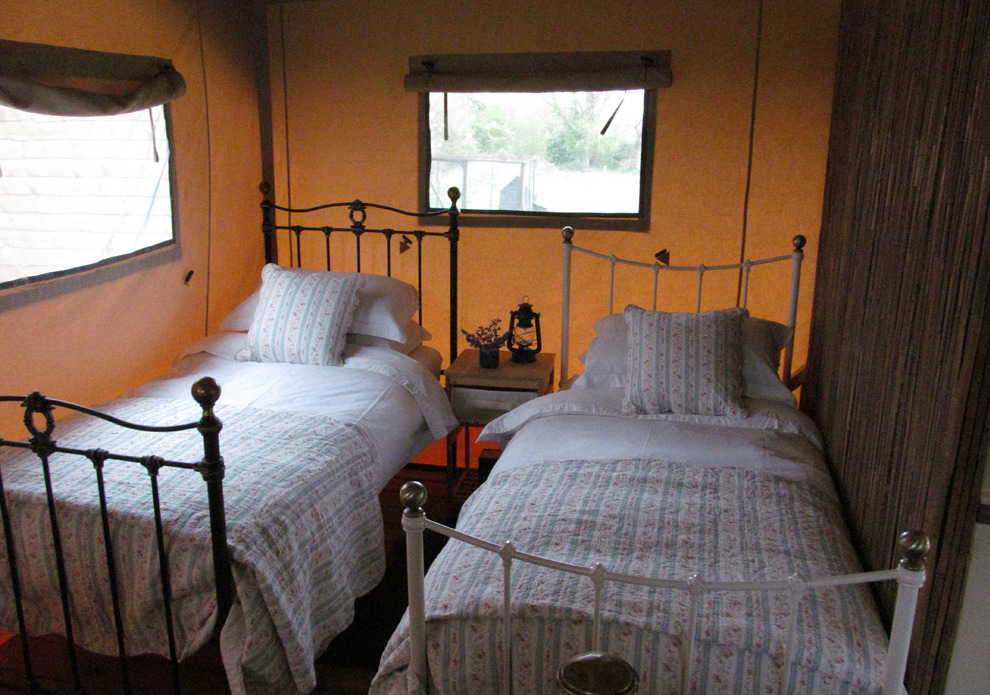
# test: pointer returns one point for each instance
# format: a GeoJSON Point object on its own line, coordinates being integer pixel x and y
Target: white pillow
{"type": "Point", "coordinates": [301, 318]}
{"type": "Point", "coordinates": [416, 336]}
{"type": "Point", "coordinates": [385, 306]}
{"type": "Point", "coordinates": [762, 340]}
{"type": "Point", "coordinates": [684, 362]}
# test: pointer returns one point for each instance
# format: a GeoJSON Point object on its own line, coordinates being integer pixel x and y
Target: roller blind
{"type": "Point", "coordinates": [539, 72]}
{"type": "Point", "coordinates": [60, 81]}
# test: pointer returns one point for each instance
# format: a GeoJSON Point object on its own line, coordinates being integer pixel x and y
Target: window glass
{"type": "Point", "coordinates": [76, 192]}
{"type": "Point", "coordinates": [543, 152]}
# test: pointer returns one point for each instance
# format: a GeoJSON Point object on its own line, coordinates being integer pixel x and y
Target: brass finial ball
{"type": "Point", "coordinates": [413, 495]}
{"type": "Point", "coordinates": [206, 391]}
{"type": "Point", "coordinates": [454, 193]}
{"type": "Point", "coordinates": [914, 548]}
{"type": "Point", "coordinates": [567, 233]}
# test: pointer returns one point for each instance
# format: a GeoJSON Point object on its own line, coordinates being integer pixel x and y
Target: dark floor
{"type": "Point", "coordinates": [350, 662]}
{"type": "Point", "coordinates": [352, 658]}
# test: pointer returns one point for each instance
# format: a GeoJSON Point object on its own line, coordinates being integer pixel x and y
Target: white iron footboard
{"type": "Point", "coordinates": [796, 257]}
{"type": "Point", "coordinates": [910, 575]}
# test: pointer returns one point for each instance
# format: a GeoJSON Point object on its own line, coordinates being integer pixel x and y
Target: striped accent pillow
{"type": "Point", "coordinates": [684, 363]}
{"type": "Point", "coordinates": [302, 318]}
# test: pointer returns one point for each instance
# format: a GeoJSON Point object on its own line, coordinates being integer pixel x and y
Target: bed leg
{"type": "Point", "coordinates": [910, 579]}
{"type": "Point", "coordinates": [413, 496]}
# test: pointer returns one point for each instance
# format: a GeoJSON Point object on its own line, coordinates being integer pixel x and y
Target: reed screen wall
{"type": "Point", "coordinates": [898, 371]}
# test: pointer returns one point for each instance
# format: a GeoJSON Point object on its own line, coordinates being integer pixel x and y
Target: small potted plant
{"type": "Point", "coordinates": [487, 339]}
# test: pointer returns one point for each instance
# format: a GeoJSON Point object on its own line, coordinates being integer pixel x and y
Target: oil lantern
{"type": "Point", "coordinates": [524, 333]}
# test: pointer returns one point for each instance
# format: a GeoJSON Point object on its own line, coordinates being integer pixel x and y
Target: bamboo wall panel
{"type": "Point", "coordinates": [897, 375]}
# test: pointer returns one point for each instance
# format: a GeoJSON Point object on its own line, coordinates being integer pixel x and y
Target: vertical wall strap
{"type": "Point", "coordinates": [611, 284]}
{"type": "Point", "coordinates": [419, 274]}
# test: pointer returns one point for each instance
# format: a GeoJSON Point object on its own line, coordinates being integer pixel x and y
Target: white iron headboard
{"type": "Point", "coordinates": [796, 256]}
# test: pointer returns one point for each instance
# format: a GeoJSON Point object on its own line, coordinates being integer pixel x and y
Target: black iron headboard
{"type": "Point", "coordinates": [358, 214]}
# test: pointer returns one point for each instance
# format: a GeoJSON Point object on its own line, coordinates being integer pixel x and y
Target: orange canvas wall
{"type": "Point", "coordinates": [88, 339]}
{"type": "Point", "coordinates": [345, 128]}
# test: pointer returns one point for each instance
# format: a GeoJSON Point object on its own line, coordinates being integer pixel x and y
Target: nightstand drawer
{"type": "Point", "coordinates": [484, 405]}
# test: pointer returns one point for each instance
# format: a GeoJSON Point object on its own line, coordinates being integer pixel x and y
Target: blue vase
{"type": "Point", "coordinates": [488, 358]}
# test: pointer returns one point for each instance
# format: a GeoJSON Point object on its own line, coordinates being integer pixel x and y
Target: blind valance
{"type": "Point", "coordinates": [539, 72]}
{"type": "Point", "coordinates": [60, 81]}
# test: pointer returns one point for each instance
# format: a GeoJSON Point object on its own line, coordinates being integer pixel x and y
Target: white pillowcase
{"type": "Point", "coordinates": [416, 336]}
{"type": "Point", "coordinates": [301, 318]}
{"type": "Point", "coordinates": [687, 363]}
{"type": "Point", "coordinates": [762, 342]}
{"type": "Point", "coordinates": [385, 307]}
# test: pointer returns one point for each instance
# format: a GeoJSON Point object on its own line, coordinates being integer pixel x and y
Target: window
{"type": "Point", "coordinates": [79, 191]}
{"type": "Point", "coordinates": [543, 139]}
{"type": "Point", "coordinates": [85, 159]}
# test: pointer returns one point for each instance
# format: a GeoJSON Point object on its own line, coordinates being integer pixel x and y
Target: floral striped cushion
{"type": "Point", "coordinates": [302, 318]}
{"type": "Point", "coordinates": [684, 363]}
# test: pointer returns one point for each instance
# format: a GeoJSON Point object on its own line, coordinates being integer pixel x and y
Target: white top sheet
{"type": "Point", "coordinates": [588, 424]}
{"type": "Point", "coordinates": [393, 400]}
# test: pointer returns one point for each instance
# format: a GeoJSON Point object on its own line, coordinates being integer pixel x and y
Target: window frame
{"type": "Point", "coordinates": [542, 72]}
{"type": "Point", "coordinates": [639, 222]}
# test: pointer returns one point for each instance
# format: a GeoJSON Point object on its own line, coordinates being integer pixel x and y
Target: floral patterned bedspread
{"type": "Point", "coordinates": [657, 519]}
{"type": "Point", "coordinates": [304, 531]}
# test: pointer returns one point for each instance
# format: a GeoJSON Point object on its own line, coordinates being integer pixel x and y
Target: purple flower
{"type": "Point", "coordinates": [489, 336]}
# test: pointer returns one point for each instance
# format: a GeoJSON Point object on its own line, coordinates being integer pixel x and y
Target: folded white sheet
{"type": "Point", "coordinates": [588, 424]}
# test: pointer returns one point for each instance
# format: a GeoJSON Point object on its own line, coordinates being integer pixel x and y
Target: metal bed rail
{"type": "Point", "coordinates": [357, 211]}
{"type": "Point", "coordinates": [910, 576]}
{"type": "Point", "coordinates": [43, 444]}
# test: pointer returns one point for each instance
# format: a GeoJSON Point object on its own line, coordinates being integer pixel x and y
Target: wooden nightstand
{"type": "Point", "coordinates": [479, 395]}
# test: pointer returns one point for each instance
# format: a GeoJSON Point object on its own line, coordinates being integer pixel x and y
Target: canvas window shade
{"type": "Point", "coordinates": [539, 72]}
{"type": "Point", "coordinates": [60, 81]}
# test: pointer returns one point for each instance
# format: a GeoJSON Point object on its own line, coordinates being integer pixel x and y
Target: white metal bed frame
{"type": "Point", "coordinates": [910, 574]}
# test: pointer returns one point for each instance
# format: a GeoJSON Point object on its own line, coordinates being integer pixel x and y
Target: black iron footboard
{"type": "Point", "coordinates": [42, 442]}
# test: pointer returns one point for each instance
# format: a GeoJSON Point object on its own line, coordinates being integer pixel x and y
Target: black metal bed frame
{"type": "Point", "coordinates": [206, 392]}
{"type": "Point", "coordinates": [358, 214]}
{"type": "Point", "coordinates": [42, 442]}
